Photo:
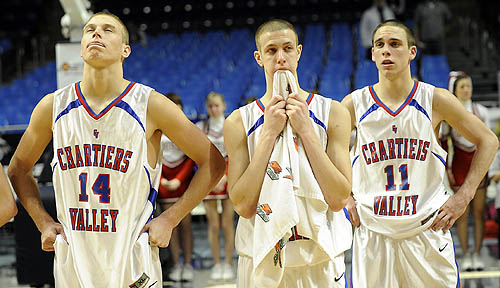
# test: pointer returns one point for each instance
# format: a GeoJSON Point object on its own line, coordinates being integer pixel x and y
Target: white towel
{"type": "Point", "coordinates": [290, 196]}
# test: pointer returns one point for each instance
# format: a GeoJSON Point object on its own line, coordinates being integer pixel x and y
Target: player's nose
{"type": "Point", "coordinates": [281, 57]}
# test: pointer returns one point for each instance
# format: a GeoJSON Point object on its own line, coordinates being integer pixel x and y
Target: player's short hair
{"type": "Point", "coordinates": [212, 95]}
{"type": "Point", "coordinates": [125, 36]}
{"type": "Point", "coordinates": [174, 97]}
{"type": "Point", "coordinates": [274, 25]}
{"type": "Point", "coordinates": [396, 23]}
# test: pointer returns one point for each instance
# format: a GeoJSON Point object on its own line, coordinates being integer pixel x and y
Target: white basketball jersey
{"type": "Point", "coordinates": [398, 164]}
{"type": "Point", "coordinates": [105, 191]}
{"type": "Point", "coordinates": [253, 118]}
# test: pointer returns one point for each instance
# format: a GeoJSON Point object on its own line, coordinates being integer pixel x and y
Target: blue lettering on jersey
{"type": "Point", "coordinates": [97, 222]}
{"type": "Point", "coordinates": [94, 155]}
{"type": "Point", "coordinates": [398, 148]}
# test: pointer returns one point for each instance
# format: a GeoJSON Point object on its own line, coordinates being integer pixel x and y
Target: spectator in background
{"type": "Point", "coordinates": [177, 171]}
{"type": "Point", "coordinates": [8, 208]}
{"type": "Point", "coordinates": [213, 128]}
{"type": "Point", "coordinates": [429, 26]}
{"type": "Point", "coordinates": [376, 14]}
{"type": "Point", "coordinates": [460, 85]}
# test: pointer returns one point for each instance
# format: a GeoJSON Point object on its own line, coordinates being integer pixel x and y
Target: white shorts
{"type": "Point", "coordinates": [424, 260]}
{"type": "Point", "coordinates": [325, 274]}
{"type": "Point", "coordinates": [142, 270]}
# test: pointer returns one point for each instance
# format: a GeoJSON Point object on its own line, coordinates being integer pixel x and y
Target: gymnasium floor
{"type": "Point", "coordinates": [490, 278]}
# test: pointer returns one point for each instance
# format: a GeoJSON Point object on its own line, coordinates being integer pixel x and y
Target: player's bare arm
{"type": "Point", "coordinates": [245, 177]}
{"type": "Point", "coordinates": [165, 117]}
{"type": "Point", "coordinates": [446, 107]}
{"type": "Point", "coordinates": [331, 167]}
{"type": "Point", "coordinates": [30, 148]}
{"type": "Point", "coordinates": [8, 208]}
{"type": "Point", "coordinates": [351, 203]}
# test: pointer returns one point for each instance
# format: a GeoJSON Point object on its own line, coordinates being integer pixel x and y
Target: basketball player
{"type": "Point", "coordinates": [8, 208]}
{"type": "Point", "coordinates": [106, 132]}
{"type": "Point", "coordinates": [403, 212]}
{"type": "Point", "coordinates": [249, 150]}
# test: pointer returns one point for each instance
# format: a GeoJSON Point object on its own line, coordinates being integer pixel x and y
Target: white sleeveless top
{"type": "Point", "coordinates": [253, 118]}
{"type": "Point", "coordinates": [104, 186]}
{"type": "Point", "coordinates": [398, 164]}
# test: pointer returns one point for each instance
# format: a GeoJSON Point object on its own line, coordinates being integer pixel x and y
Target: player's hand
{"type": "Point", "coordinates": [450, 212]}
{"type": "Point", "coordinates": [173, 184]}
{"type": "Point", "coordinates": [49, 233]}
{"type": "Point", "coordinates": [221, 185]}
{"type": "Point", "coordinates": [275, 116]}
{"type": "Point", "coordinates": [297, 111]}
{"type": "Point", "coordinates": [159, 230]}
{"type": "Point", "coordinates": [353, 213]}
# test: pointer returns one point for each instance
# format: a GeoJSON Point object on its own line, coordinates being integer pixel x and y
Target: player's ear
{"type": "Point", "coordinates": [413, 52]}
{"type": "Point", "coordinates": [258, 58]}
{"type": "Point", "coordinates": [126, 50]}
{"type": "Point", "coordinates": [299, 51]}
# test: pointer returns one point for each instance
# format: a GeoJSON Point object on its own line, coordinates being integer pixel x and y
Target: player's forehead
{"type": "Point", "coordinates": [277, 37]}
{"type": "Point", "coordinates": [103, 20]}
{"type": "Point", "coordinates": [388, 32]}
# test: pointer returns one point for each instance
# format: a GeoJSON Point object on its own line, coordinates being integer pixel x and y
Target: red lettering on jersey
{"type": "Point", "coordinates": [96, 148]}
{"type": "Point", "coordinates": [363, 149]}
{"type": "Point", "coordinates": [381, 151]}
{"type": "Point", "coordinates": [61, 163]}
{"type": "Point", "coordinates": [111, 151]}
{"type": "Point", "coordinates": [104, 226]}
{"type": "Point", "coordinates": [69, 157]}
{"type": "Point", "coordinates": [118, 159]}
{"type": "Point", "coordinates": [78, 155]}
{"type": "Point", "coordinates": [87, 154]}
{"type": "Point", "coordinates": [114, 214]}
{"type": "Point", "coordinates": [103, 153]}
{"type": "Point", "coordinates": [128, 155]}
{"type": "Point", "coordinates": [413, 142]}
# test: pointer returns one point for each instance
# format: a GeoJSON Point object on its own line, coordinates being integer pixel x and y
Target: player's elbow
{"type": "Point", "coordinates": [243, 209]}
{"type": "Point", "coordinates": [10, 210]}
{"type": "Point", "coordinates": [245, 212]}
{"type": "Point", "coordinates": [338, 202]}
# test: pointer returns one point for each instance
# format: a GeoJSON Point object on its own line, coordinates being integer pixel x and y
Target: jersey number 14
{"type": "Point", "coordinates": [100, 187]}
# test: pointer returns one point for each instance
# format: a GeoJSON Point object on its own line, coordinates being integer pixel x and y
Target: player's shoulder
{"type": "Point", "coordinates": [234, 119]}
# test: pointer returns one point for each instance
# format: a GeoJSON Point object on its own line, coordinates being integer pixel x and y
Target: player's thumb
{"type": "Point", "coordinates": [146, 228]}
{"type": "Point", "coordinates": [60, 230]}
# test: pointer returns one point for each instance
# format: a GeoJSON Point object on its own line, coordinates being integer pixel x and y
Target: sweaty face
{"type": "Point", "coordinates": [215, 107]}
{"type": "Point", "coordinates": [464, 89]}
{"type": "Point", "coordinates": [102, 41]}
{"type": "Point", "coordinates": [278, 51]}
{"type": "Point", "coordinates": [390, 50]}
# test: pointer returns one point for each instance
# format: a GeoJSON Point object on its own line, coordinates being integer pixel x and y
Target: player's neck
{"type": "Point", "coordinates": [394, 89]}
{"type": "Point", "coordinates": [103, 83]}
